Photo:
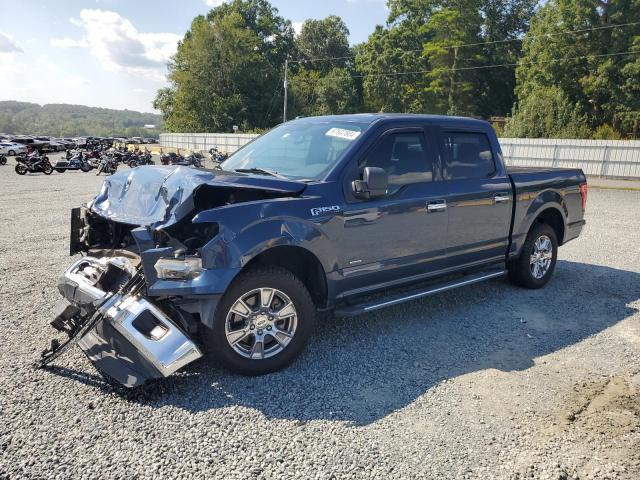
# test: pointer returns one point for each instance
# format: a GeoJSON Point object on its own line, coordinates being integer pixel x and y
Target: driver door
{"type": "Point", "coordinates": [401, 234]}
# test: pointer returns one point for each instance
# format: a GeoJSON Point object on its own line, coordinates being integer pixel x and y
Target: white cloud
{"type": "Point", "coordinates": [68, 43]}
{"type": "Point", "coordinates": [8, 44]}
{"type": "Point", "coordinates": [215, 3]}
{"type": "Point", "coordinates": [120, 47]}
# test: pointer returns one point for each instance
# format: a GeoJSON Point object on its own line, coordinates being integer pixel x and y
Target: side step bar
{"type": "Point", "coordinates": [351, 310]}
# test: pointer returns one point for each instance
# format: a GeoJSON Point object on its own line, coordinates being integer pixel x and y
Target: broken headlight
{"type": "Point", "coordinates": [185, 268]}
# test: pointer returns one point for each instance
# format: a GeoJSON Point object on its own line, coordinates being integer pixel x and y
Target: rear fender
{"type": "Point", "coordinates": [529, 205]}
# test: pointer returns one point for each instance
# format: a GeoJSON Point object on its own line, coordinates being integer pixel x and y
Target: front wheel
{"type": "Point", "coordinates": [3, 160]}
{"type": "Point", "coordinates": [21, 169]}
{"type": "Point", "coordinates": [262, 323]}
{"type": "Point", "coordinates": [11, 153]}
{"type": "Point", "coordinates": [535, 265]}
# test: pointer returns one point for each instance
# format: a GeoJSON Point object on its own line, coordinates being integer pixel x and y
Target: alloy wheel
{"type": "Point", "coordinates": [541, 257]}
{"type": "Point", "coordinates": [261, 323]}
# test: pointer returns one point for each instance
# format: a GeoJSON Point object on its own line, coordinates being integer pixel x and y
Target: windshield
{"type": "Point", "coordinates": [301, 150]}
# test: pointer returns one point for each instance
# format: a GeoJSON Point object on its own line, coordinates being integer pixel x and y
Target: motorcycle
{"type": "Point", "coordinates": [171, 158]}
{"type": "Point", "coordinates": [74, 162]}
{"type": "Point", "coordinates": [141, 159]}
{"type": "Point", "coordinates": [193, 160]}
{"type": "Point", "coordinates": [216, 156]}
{"type": "Point", "coordinates": [33, 163]}
{"type": "Point", "coordinates": [107, 165]}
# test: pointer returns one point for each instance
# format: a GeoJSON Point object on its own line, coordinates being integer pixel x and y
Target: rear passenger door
{"type": "Point", "coordinates": [479, 199]}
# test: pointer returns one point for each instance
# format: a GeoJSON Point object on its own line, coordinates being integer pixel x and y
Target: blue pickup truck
{"type": "Point", "coordinates": [337, 214]}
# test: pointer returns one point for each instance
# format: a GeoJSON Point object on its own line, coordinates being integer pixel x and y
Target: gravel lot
{"type": "Point", "coordinates": [490, 381]}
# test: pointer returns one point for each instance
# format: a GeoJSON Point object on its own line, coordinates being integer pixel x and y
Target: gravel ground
{"type": "Point", "coordinates": [490, 381]}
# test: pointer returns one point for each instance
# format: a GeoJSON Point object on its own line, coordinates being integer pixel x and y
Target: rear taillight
{"type": "Point", "coordinates": [584, 189]}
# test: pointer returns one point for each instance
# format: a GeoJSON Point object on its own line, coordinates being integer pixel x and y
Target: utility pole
{"type": "Point", "coordinates": [286, 88]}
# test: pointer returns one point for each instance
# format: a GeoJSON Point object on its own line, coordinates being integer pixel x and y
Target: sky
{"type": "Point", "coordinates": [113, 53]}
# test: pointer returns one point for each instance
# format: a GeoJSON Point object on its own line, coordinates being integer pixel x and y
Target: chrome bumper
{"type": "Point", "coordinates": [135, 340]}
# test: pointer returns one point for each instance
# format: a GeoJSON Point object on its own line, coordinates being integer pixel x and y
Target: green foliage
{"type": "Point", "coordinates": [425, 36]}
{"type": "Point", "coordinates": [228, 70]}
{"type": "Point", "coordinates": [61, 120]}
{"type": "Point", "coordinates": [454, 57]}
{"type": "Point", "coordinates": [324, 39]}
{"type": "Point", "coordinates": [547, 112]}
{"type": "Point", "coordinates": [324, 87]}
{"type": "Point", "coordinates": [592, 68]}
{"type": "Point", "coordinates": [606, 132]}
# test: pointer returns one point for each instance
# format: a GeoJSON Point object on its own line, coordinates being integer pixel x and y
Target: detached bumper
{"type": "Point", "coordinates": [135, 340]}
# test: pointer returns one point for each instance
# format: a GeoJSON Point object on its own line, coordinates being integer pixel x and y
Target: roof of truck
{"type": "Point", "coordinates": [375, 117]}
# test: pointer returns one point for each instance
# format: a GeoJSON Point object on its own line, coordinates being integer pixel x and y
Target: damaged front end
{"type": "Point", "coordinates": [137, 300]}
{"type": "Point", "coordinates": [126, 335]}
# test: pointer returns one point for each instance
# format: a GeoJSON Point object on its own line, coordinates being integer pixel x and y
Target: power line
{"type": "Point", "coordinates": [478, 67]}
{"type": "Point", "coordinates": [543, 35]}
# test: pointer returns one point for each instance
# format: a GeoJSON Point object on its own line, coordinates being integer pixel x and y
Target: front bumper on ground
{"type": "Point", "coordinates": [135, 340]}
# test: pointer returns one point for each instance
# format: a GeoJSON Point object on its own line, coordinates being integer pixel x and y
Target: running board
{"type": "Point", "coordinates": [351, 310]}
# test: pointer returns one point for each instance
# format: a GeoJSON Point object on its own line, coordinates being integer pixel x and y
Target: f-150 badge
{"type": "Point", "coordinates": [319, 210]}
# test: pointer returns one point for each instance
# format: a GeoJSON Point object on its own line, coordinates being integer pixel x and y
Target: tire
{"type": "Point", "coordinates": [60, 170]}
{"type": "Point", "coordinates": [11, 153]}
{"type": "Point", "coordinates": [3, 160]}
{"type": "Point", "coordinates": [47, 168]}
{"type": "Point", "coordinates": [21, 169]}
{"type": "Point", "coordinates": [522, 271]}
{"type": "Point", "coordinates": [274, 356]}
{"type": "Point", "coordinates": [85, 167]}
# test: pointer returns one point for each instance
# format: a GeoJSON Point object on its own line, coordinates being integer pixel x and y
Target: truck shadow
{"type": "Point", "coordinates": [361, 369]}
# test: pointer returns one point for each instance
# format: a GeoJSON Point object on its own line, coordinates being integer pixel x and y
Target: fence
{"type": "Point", "coordinates": [607, 158]}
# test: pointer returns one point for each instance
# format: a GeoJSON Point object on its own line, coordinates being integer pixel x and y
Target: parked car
{"type": "Point", "coordinates": [314, 216]}
{"type": "Point", "coordinates": [12, 149]}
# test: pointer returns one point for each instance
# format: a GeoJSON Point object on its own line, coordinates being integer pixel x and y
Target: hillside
{"type": "Point", "coordinates": [63, 120]}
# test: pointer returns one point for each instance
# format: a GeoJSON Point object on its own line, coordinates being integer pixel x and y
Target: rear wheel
{"type": "Point", "coordinates": [3, 160]}
{"type": "Point", "coordinates": [262, 323]}
{"type": "Point", "coordinates": [47, 168]}
{"type": "Point", "coordinates": [534, 267]}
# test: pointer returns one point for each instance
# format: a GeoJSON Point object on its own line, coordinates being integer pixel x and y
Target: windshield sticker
{"type": "Point", "coordinates": [343, 133]}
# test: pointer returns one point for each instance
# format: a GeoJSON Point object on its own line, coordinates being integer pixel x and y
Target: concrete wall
{"type": "Point", "coordinates": [610, 158]}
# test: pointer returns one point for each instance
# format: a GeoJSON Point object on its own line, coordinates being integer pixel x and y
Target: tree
{"type": "Point", "coordinates": [326, 86]}
{"type": "Point", "coordinates": [591, 66]}
{"type": "Point", "coordinates": [445, 46]}
{"type": "Point", "coordinates": [547, 112]}
{"type": "Point", "coordinates": [228, 69]}
{"type": "Point", "coordinates": [324, 39]}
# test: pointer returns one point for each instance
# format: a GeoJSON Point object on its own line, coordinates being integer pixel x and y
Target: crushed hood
{"type": "Point", "coordinates": [149, 195]}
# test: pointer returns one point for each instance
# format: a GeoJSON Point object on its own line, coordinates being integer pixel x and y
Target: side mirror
{"type": "Point", "coordinates": [374, 183]}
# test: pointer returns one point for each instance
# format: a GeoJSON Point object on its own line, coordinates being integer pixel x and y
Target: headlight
{"type": "Point", "coordinates": [178, 268]}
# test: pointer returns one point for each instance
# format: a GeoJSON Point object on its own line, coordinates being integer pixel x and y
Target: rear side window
{"type": "Point", "coordinates": [405, 158]}
{"type": "Point", "coordinates": [467, 155]}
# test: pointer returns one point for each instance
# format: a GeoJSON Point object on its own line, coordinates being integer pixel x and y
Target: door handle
{"type": "Point", "coordinates": [501, 198]}
{"type": "Point", "coordinates": [436, 206]}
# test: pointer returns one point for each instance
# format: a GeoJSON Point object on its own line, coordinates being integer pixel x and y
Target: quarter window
{"type": "Point", "coordinates": [467, 155]}
{"type": "Point", "coordinates": [404, 157]}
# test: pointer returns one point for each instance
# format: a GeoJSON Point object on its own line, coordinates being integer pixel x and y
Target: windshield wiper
{"type": "Point", "coordinates": [259, 171]}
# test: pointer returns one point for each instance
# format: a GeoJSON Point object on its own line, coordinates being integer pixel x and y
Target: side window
{"type": "Point", "coordinates": [467, 155]}
{"type": "Point", "coordinates": [405, 158]}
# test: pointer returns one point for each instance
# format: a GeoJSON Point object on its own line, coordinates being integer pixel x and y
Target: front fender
{"type": "Point", "coordinates": [249, 229]}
